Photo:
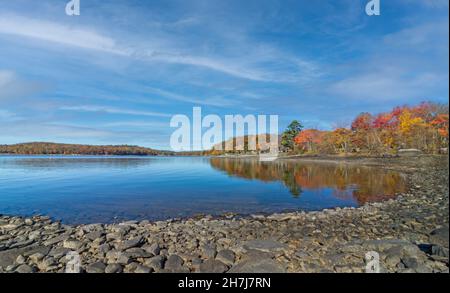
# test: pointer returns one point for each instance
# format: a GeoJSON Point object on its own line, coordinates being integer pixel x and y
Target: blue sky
{"type": "Point", "coordinates": [117, 73]}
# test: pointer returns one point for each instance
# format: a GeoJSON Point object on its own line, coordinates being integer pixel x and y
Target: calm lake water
{"type": "Point", "coordinates": [110, 189]}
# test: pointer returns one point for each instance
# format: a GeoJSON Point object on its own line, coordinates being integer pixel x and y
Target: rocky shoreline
{"type": "Point", "coordinates": [410, 234]}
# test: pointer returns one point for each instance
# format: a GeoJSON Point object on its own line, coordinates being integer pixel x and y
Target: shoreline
{"type": "Point", "coordinates": [409, 232]}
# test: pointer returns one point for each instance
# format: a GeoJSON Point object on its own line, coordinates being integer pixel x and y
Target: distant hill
{"type": "Point", "coordinates": [242, 142]}
{"type": "Point", "coordinates": [46, 148]}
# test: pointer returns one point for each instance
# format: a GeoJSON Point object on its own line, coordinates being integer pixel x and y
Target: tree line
{"type": "Point", "coordinates": [42, 148]}
{"type": "Point", "coordinates": [423, 127]}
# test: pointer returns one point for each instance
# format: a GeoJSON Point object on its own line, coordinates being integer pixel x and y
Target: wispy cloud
{"type": "Point", "coordinates": [6, 78]}
{"type": "Point", "coordinates": [8, 116]}
{"type": "Point", "coordinates": [157, 51]}
{"type": "Point", "coordinates": [57, 33]}
{"type": "Point", "coordinates": [112, 110]}
{"type": "Point", "coordinates": [11, 86]}
{"type": "Point", "coordinates": [210, 101]}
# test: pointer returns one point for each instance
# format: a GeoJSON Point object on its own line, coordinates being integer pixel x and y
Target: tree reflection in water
{"type": "Point", "coordinates": [361, 183]}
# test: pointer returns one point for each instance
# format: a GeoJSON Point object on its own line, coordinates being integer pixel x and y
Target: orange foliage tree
{"type": "Point", "coordinates": [424, 127]}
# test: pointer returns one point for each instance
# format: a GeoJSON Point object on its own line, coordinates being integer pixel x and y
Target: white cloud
{"type": "Point", "coordinates": [386, 86]}
{"type": "Point", "coordinates": [214, 101]}
{"type": "Point", "coordinates": [11, 86]}
{"type": "Point", "coordinates": [9, 116]}
{"type": "Point", "coordinates": [112, 110]}
{"type": "Point", "coordinates": [57, 33]}
{"type": "Point", "coordinates": [6, 78]}
{"type": "Point", "coordinates": [166, 49]}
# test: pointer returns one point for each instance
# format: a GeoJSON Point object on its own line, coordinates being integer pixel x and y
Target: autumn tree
{"type": "Point", "coordinates": [309, 139]}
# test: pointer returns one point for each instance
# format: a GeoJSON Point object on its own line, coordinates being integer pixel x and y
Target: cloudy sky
{"type": "Point", "coordinates": [118, 72]}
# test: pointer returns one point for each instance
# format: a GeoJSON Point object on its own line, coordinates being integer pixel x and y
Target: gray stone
{"type": "Point", "coordinates": [96, 268]}
{"type": "Point", "coordinates": [265, 245]}
{"type": "Point", "coordinates": [94, 235]}
{"type": "Point", "coordinates": [174, 262]}
{"type": "Point", "coordinates": [25, 269]}
{"type": "Point", "coordinates": [208, 251]}
{"type": "Point", "coordinates": [136, 252]}
{"type": "Point", "coordinates": [226, 256]}
{"type": "Point", "coordinates": [58, 252]}
{"type": "Point", "coordinates": [113, 268]}
{"type": "Point", "coordinates": [56, 239]}
{"type": "Point", "coordinates": [140, 269]}
{"type": "Point", "coordinates": [439, 251]}
{"type": "Point", "coordinates": [104, 248]}
{"type": "Point", "coordinates": [72, 244]}
{"type": "Point", "coordinates": [257, 266]}
{"type": "Point", "coordinates": [410, 263]}
{"type": "Point", "coordinates": [124, 245]}
{"type": "Point", "coordinates": [156, 262]}
{"type": "Point", "coordinates": [20, 260]}
{"type": "Point", "coordinates": [8, 257]}
{"type": "Point", "coordinates": [47, 264]}
{"type": "Point", "coordinates": [36, 257]}
{"type": "Point", "coordinates": [392, 260]}
{"type": "Point", "coordinates": [213, 266]}
{"type": "Point", "coordinates": [118, 257]}
{"type": "Point", "coordinates": [153, 249]}
{"type": "Point", "coordinates": [440, 236]}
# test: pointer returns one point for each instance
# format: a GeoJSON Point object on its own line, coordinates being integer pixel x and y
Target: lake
{"type": "Point", "coordinates": [93, 189]}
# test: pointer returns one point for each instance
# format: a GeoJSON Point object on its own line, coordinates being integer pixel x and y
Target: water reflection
{"type": "Point", "coordinates": [360, 183]}
{"type": "Point", "coordinates": [72, 162]}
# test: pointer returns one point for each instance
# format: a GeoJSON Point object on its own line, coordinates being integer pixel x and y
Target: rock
{"type": "Point", "coordinates": [56, 239]}
{"type": "Point", "coordinates": [20, 260]}
{"type": "Point", "coordinates": [195, 263]}
{"type": "Point", "coordinates": [153, 249]}
{"type": "Point", "coordinates": [213, 266]}
{"type": "Point", "coordinates": [124, 245]}
{"type": "Point", "coordinates": [140, 269]}
{"type": "Point", "coordinates": [104, 248]}
{"type": "Point", "coordinates": [119, 257]}
{"type": "Point", "coordinates": [226, 256]}
{"type": "Point", "coordinates": [29, 222]}
{"type": "Point", "coordinates": [440, 251]}
{"type": "Point", "coordinates": [25, 269]}
{"type": "Point", "coordinates": [174, 262]}
{"type": "Point", "coordinates": [257, 254]}
{"type": "Point", "coordinates": [8, 257]}
{"type": "Point", "coordinates": [156, 262]}
{"type": "Point", "coordinates": [137, 253]}
{"type": "Point", "coordinates": [410, 263]}
{"type": "Point", "coordinates": [47, 264]}
{"type": "Point", "coordinates": [22, 243]}
{"type": "Point", "coordinates": [260, 266]}
{"type": "Point", "coordinates": [94, 235]}
{"type": "Point", "coordinates": [36, 257]}
{"type": "Point", "coordinates": [113, 268]}
{"type": "Point", "coordinates": [96, 268]}
{"type": "Point", "coordinates": [208, 251]}
{"type": "Point", "coordinates": [58, 252]}
{"type": "Point", "coordinates": [264, 245]}
{"type": "Point", "coordinates": [392, 260]}
{"type": "Point", "coordinates": [72, 244]}
{"type": "Point", "coordinates": [440, 236]}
